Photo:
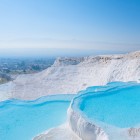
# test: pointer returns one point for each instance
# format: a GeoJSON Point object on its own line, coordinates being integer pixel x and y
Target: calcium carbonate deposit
{"type": "Point", "coordinates": [70, 75]}
{"type": "Point", "coordinates": [96, 111]}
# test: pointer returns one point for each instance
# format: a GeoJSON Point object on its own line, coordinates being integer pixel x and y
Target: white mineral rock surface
{"type": "Point", "coordinates": [70, 75]}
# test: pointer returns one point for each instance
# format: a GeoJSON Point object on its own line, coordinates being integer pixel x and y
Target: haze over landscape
{"type": "Point", "coordinates": [68, 28]}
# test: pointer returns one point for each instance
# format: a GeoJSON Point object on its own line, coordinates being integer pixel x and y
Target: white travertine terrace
{"type": "Point", "coordinates": [70, 75]}
{"type": "Point", "coordinates": [79, 127]}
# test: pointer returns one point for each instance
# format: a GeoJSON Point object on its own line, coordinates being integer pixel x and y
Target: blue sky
{"type": "Point", "coordinates": [49, 27]}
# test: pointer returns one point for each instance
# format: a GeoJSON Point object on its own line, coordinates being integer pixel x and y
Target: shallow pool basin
{"type": "Point", "coordinates": [22, 120]}
{"type": "Point", "coordinates": [108, 112]}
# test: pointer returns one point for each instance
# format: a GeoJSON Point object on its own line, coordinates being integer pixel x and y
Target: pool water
{"type": "Point", "coordinates": [117, 104]}
{"type": "Point", "coordinates": [118, 107]}
{"type": "Point", "coordinates": [22, 120]}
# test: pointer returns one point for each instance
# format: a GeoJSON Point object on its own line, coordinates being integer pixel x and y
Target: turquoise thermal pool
{"type": "Point", "coordinates": [112, 110]}
{"type": "Point", "coordinates": [118, 106]}
{"type": "Point", "coordinates": [22, 120]}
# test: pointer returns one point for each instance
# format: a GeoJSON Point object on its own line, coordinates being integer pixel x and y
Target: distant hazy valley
{"type": "Point", "coordinates": [10, 68]}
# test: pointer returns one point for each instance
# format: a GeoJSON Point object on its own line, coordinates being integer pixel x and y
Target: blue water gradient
{"type": "Point", "coordinates": [117, 104]}
{"type": "Point", "coordinates": [22, 120]}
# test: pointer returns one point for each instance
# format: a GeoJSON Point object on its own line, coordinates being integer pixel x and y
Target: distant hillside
{"type": "Point", "coordinates": [4, 78]}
